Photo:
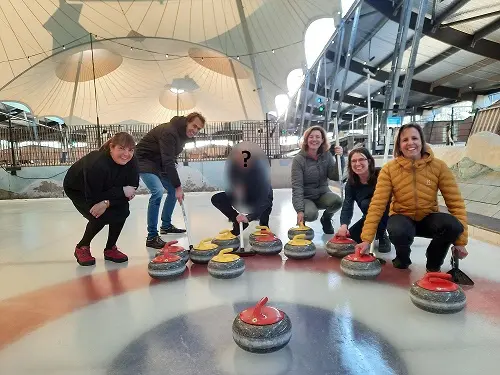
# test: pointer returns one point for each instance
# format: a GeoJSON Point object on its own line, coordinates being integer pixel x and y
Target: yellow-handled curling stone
{"type": "Point", "coordinates": [437, 293]}
{"type": "Point", "coordinates": [300, 248]}
{"type": "Point", "coordinates": [225, 265]}
{"type": "Point", "coordinates": [204, 251]}
{"type": "Point", "coordinates": [301, 229]}
{"type": "Point", "coordinates": [166, 266]}
{"type": "Point", "coordinates": [225, 239]}
{"type": "Point", "coordinates": [262, 329]}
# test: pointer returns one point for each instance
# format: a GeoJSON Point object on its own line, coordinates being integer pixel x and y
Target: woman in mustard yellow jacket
{"type": "Point", "coordinates": [413, 178]}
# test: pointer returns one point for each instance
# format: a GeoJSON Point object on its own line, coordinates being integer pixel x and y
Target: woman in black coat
{"type": "Point", "coordinates": [362, 179]}
{"type": "Point", "coordinates": [100, 186]}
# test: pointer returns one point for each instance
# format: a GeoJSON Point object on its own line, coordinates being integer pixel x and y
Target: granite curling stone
{"type": "Point", "coordinates": [225, 265]}
{"type": "Point", "coordinates": [204, 251]}
{"type": "Point", "coordinates": [262, 329]}
{"type": "Point", "coordinates": [361, 266]}
{"type": "Point", "coordinates": [226, 239]}
{"type": "Point", "coordinates": [437, 293]}
{"type": "Point", "coordinates": [340, 246]}
{"type": "Point", "coordinates": [300, 248]}
{"type": "Point", "coordinates": [175, 250]}
{"type": "Point", "coordinates": [267, 244]}
{"type": "Point", "coordinates": [166, 266]}
{"type": "Point", "coordinates": [301, 229]}
{"type": "Point", "coordinates": [260, 230]}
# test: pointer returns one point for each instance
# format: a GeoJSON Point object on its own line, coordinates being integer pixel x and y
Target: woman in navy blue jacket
{"type": "Point", "coordinates": [362, 179]}
{"type": "Point", "coordinates": [100, 186]}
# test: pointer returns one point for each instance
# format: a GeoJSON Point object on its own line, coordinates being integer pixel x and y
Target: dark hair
{"type": "Point", "coordinates": [353, 178]}
{"type": "Point", "coordinates": [397, 142]}
{"type": "Point", "coordinates": [193, 115]}
{"type": "Point", "coordinates": [123, 139]}
{"type": "Point", "coordinates": [325, 145]}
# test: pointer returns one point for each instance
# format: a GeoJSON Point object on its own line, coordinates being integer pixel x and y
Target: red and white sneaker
{"type": "Point", "coordinates": [115, 255]}
{"type": "Point", "coordinates": [83, 256]}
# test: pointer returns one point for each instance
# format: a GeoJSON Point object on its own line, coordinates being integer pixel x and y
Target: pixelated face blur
{"type": "Point", "coordinates": [193, 127]}
{"type": "Point", "coordinates": [359, 164]}
{"type": "Point", "coordinates": [410, 144]}
{"type": "Point", "coordinates": [120, 154]}
{"type": "Point", "coordinates": [314, 140]}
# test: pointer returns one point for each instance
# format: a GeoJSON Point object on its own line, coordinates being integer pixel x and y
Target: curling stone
{"type": "Point", "coordinates": [226, 266]}
{"type": "Point", "coordinates": [437, 293]}
{"type": "Point", "coordinates": [301, 229]}
{"type": "Point", "coordinates": [260, 230]}
{"type": "Point", "coordinates": [360, 266]}
{"type": "Point", "coordinates": [340, 246]}
{"type": "Point", "coordinates": [204, 251]}
{"type": "Point", "coordinates": [225, 239]}
{"type": "Point", "coordinates": [166, 266]}
{"type": "Point", "coordinates": [300, 248]}
{"type": "Point", "coordinates": [262, 329]}
{"type": "Point", "coordinates": [175, 250]}
{"type": "Point", "coordinates": [267, 244]}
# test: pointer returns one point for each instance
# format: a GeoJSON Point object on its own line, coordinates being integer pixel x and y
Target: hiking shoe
{"type": "Point", "coordinates": [398, 263]}
{"type": "Point", "coordinates": [115, 255]}
{"type": "Point", "coordinates": [171, 229]}
{"type": "Point", "coordinates": [384, 245]}
{"type": "Point", "coordinates": [327, 225]}
{"type": "Point", "coordinates": [155, 242]}
{"type": "Point", "coordinates": [83, 256]}
{"type": "Point", "coordinates": [236, 228]}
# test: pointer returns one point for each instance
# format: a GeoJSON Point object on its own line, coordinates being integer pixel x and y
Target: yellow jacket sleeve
{"type": "Point", "coordinates": [378, 204]}
{"type": "Point", "coordinates": [454, 201]}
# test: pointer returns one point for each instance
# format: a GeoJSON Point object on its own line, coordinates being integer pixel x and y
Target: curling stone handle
{"type": "Point", "coordinates": [209, 239]}
{"type": "Point", "coordinates": [171, 243]}
{"type": "Point", "coordinates": [357, 253]}
{"type": "Point", "coordinates": [258, 307]}
{"type": "Point", "coordinates": [301, 224]}
{"type": "Point", "coordinates": [432, 276]}
{"type": "Point", "coordinates": [299, 237]}
{"type": "Point", "coordinates": [225, 251]}
{"type": "Point", "coordinates": [263, 228]}
{"type": "Point", "coordinates": [224, 231]}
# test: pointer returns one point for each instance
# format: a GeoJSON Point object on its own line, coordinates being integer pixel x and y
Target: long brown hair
{"type": "Point", "coordinates": [123, 139]}
{"type": "Point", "coordinates": [353, 178]}
{"type": "Point", "coordinates": [397, 143]}
{"type": "Point", "coordinates": [325, 145]}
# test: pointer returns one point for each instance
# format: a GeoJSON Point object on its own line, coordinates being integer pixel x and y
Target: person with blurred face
{"type": "Point", "coordinates": [157, 155]}
{"type": "Point", "coordinates": [360, 186]}
{"type": "Point", "coordinates": [100, 185]}
{"type": "Point", "coordinates": [413, 178]}
{"type": "Point", "coordinates": [249, 185]}
{"type": "Point", "coordinates": [311, 169]}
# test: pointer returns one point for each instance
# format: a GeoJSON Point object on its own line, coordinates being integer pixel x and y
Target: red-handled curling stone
{"type": "Point", "coordinates": [171, 248]}
{"type": "Point", "coordinates": [437, 293]}
{"type": "Point", "coordinates": [262, 329]}
{"type": "Point", "coordinates": [261, 229]}
{"type": "Point", "coordinates": [166, 266]}
{"type": "Point", "coordinates": [360, 266]}
{"type": "Point", "coordinates": [267, 244]}
{"type": "Point", "coordinates": [340, 246]}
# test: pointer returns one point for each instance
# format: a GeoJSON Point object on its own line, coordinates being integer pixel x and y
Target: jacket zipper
{"type": "Point", "coordinates": [415, 189]}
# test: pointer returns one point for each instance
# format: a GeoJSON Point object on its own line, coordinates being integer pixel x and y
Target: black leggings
{"type": "Point", "coordinates": [95, 226]}
{"type": "Point", "coordinates": [443, 228]}
{"type": "Point", "coordinates": [225, 205]}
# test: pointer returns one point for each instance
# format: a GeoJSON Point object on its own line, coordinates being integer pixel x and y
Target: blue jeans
{"type": "Point", "coordinates": [156, 186]}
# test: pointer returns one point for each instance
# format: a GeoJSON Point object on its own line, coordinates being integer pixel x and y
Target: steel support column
{"type": "Point", "coordinates": [331, 96]}
{"type": "Point", "coordinates": [251, 51]}
{"type": "Point", "coordinates": [304, 102]}
{"type": "Point", "coordinates": [318, 71]}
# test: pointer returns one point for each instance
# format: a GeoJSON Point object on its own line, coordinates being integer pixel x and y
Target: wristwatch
{"type": "Point", "coordinates": [106, 202]}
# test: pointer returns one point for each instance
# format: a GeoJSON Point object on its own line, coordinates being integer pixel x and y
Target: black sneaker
{"type": "Point", "coordinates": [155, 242]}
{"type": "Point", "coordinates": [398, 263]}
{"type": "Point", "coordinates": [384, 245]}
{"type": "Point", "coordinates": [171, 230]}
{"type": "Point", "coordinates": [236, 228]}
{"type": "Point", "coordinates": [327, 225]}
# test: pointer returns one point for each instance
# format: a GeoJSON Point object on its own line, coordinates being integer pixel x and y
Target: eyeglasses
{"type": "Point", "coordinates": [361, 160]}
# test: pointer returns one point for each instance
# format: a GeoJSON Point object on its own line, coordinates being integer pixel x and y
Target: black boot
{"type": "Point", "coordinates": [326, 222]}
{"type": "Point", "coordinates": [171, 229]}
{"type": "Point", "coordinates": [384, 245]}
{"type": "Point", "coordinates": [236, 228]}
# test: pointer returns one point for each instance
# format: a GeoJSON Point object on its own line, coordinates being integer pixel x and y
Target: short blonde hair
{"type": "Point", "coordinates": [325, 146]}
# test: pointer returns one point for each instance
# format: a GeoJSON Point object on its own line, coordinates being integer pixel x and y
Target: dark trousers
{"type": "Point", "coordinates": [441, 227]}
{"type": "Point", "coordinates": [356, 229]}
{"type": "Point", "coordinates": [114, 216]}
{"type": "Point", "coordinates": [224, 204]}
